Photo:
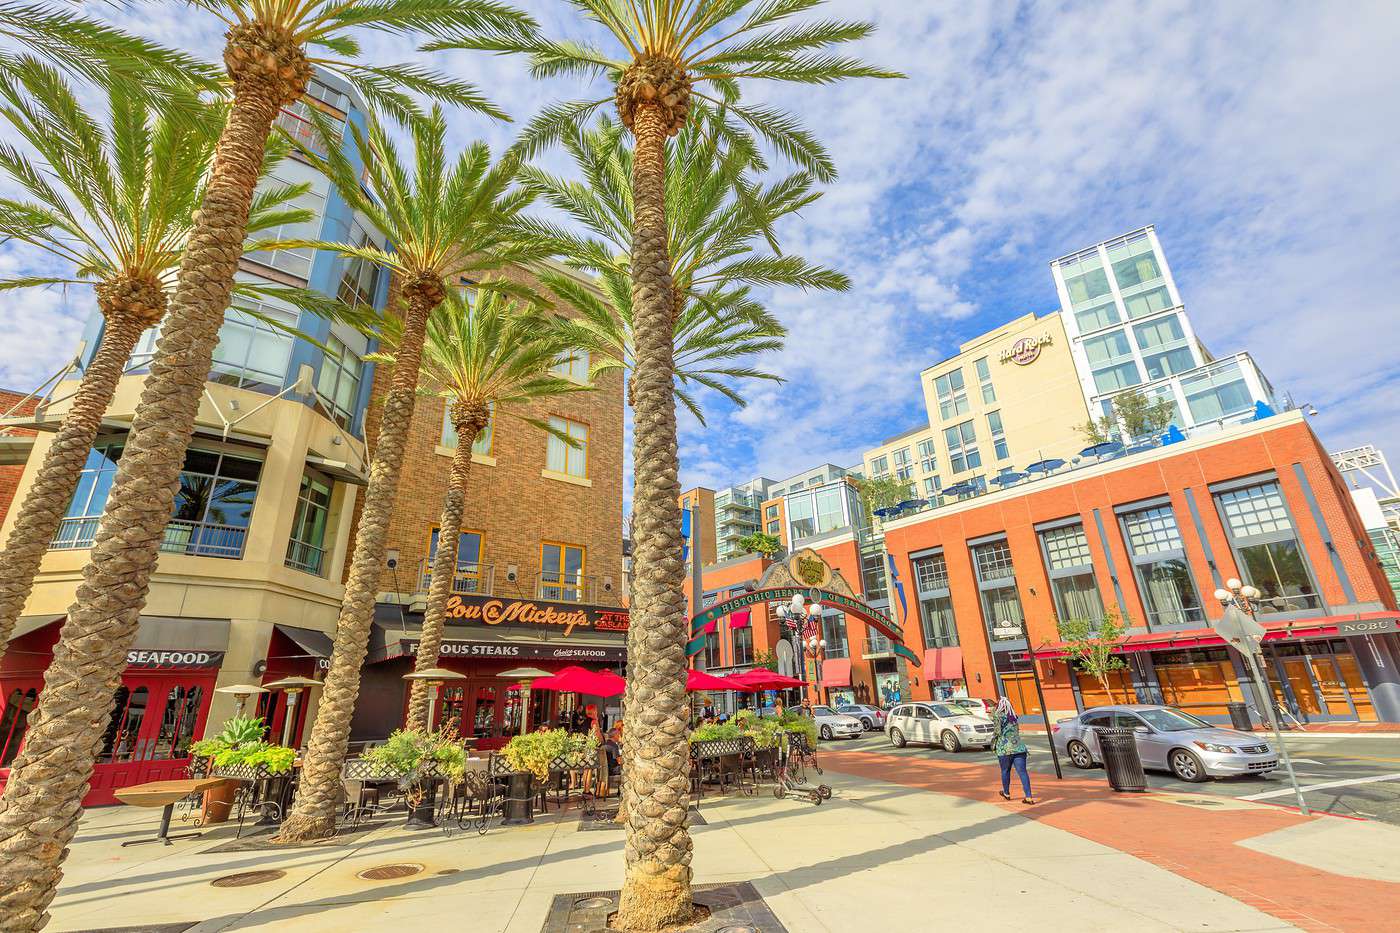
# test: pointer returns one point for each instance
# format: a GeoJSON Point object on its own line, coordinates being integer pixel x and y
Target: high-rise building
{"type": "Point", "coordinates": [911, 457]}
{"type": "Point", "coordinates": [1129, 330]}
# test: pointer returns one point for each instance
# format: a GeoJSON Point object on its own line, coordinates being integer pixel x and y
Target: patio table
{"type": "Point", "coordinates": [164, 794]}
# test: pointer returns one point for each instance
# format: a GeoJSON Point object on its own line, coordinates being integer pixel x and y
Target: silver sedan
{"type": "Point", "coordinates": [1167, 740]}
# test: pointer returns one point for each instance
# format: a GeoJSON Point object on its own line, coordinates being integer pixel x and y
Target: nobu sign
{"type": "Point", "coordinates": [489, 610]}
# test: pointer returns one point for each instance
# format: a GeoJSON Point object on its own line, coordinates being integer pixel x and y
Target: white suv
{"type": "Point", "coordinates": [943, 724]}
{"type": "Point", "coordinates": [831, 724]}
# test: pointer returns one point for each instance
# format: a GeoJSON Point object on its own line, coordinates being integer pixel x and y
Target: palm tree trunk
{"type": "Point", "coordinates": [58, 475]}
{"type": "Point", "coordinates": [656, 892]}
{"type": "Point", "coordinates": [444, 563]}
{"type": "Point", "coordinates": [313, 816]}
{"type": "Point", "coordinates": [42, 802]}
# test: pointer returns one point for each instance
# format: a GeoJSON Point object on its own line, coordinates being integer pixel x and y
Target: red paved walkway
{"type": "Point", "coordinates": [1198, 844]}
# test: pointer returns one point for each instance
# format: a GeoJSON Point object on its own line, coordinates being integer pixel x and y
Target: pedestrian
{"type": "Point", "coordinates": [1010, 749]}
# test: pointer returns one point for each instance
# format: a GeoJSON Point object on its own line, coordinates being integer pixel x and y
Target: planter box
{"type": "Point", "coordinates": [248, 773]}
{"type": "Point", "coordinates": [718, 748]}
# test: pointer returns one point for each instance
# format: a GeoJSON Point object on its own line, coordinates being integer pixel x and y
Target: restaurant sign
{"type": "Point", "coordinates": [175, 658]}
{"type": "Point", "coordinates": [1026, 350]}
{"type": "Point", "coordinates": [500, 649]}
{"type": "Point", "coordinates": [491, 610]}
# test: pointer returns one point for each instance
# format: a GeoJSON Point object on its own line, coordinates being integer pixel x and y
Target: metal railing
{"type": "Point", "coordinates": [202, 539]}
{"type": "Point", "coordinates": [565, 587]}
{"type": "Point", "coordinates": [305, 557]}
{"type": "Point", "coordinates": [75, 533]}
{"type": "Point", "coordinates": [468, 578]}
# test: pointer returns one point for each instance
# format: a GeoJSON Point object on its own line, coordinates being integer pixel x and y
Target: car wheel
{"type": "Point", "coordinates": [1186, 766]}
{"type": "Point", "coordinates": [867, 725]}
{"type": "Point", "coordinates": [826, 733]}
{"type": "Point", "coordinates": [950, 741]}
{"type": "Point", "coordinates": [1079, 755]}
{"type": "Point", "coordinates": [897, 738]}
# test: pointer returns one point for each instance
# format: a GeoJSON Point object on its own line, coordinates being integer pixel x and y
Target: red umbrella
{"type": "Point", "coordinates": [699, 680]}
{"type": "Point", "coordinates": [582, 680]}
{"type": "Point", "coordinates": [763, 679]}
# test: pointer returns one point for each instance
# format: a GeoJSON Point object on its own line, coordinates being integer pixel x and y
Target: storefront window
{"type": "Point", "coordinates": [940, 629]}
{"type": "Point", "coordinates": [128, 712]}
{"type": "Point", "coordinates": [1266, 548]}
{"type": "Point", "coordinates": [996, 583]}
{"type": "Point", "coordinates": [1159, 559]}
{"type": "Point", "coordinates": [834, 631]}
{"type": "Point", "coordinates": [177, 723]}
{"type": "Point", "coordinates": [743, 645]}
{"type": "Point", "coordinates": [14, 722]}
{"type": "Point", "coordinates": [1071, 570]}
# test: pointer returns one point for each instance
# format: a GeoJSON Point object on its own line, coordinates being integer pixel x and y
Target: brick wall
{"type": "Point", "coordinates": [510, 503]}
{"type": "Point", "coordinates": [10, 475]}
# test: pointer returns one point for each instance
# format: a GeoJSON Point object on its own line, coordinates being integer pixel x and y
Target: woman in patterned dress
{"type": "Point", "coordinates": [1010, 749]}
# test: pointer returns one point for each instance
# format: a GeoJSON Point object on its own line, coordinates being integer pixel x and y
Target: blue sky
{"type": "Point", "coordinates": [1259, 138]}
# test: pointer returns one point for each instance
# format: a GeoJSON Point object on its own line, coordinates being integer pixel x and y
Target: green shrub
{"type": "Point", "coordinates": [535, 750]}
{"type": "Point", "coordinates": [241, 730]}
{"type": "Point", "coordinates": [408, 750]}
{"type": "Point", "coordinates": [278, 759]}
{"type": "Point", "coordinates": [207, 748]}
{"type": "Point", "coordinates": [715, 731]}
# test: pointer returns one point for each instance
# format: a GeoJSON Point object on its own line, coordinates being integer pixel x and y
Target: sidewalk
{"type": "Point", "coordinates": [886, 853]}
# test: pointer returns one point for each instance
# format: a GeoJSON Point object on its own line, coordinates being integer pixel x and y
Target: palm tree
{"type": "Point", "coordinates": [268, 67]}
{"type": "Point", "coordinates": [114, 205]}
{"type": "Point", "coordinates": [489, 357]}
{"type": "Point", "coordinates": [447, 223]}
{"type": "Point", "coordinates": [667, 55]}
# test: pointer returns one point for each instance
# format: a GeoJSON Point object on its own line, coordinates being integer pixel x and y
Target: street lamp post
{"type": "Point", "coordinates": [1246, 634]}
{"type": "Point", "coordinates": [801, 620]}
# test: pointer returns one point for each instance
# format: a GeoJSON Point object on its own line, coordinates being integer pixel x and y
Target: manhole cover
{"type": "Point", "coordinates": [389, 872]}
{"type": "Point", "coordinates": [243, 879]}
{"type": "Point", "coordinates": [1202, 803]}
{"type": "Point", "coordinates": [592, 903]}
{"type": "Point", "coordinates": [737, 929]}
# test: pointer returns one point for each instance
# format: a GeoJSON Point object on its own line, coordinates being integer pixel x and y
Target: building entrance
{"type": "Point", "coordinates": [1320, 681]}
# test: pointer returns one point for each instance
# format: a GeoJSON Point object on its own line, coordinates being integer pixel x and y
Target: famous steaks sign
{"type": "Point", "coordinates": [492, 610]}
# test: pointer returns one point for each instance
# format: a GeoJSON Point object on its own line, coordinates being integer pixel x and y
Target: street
{"type": "Point", "coordinates": [1357, 777]}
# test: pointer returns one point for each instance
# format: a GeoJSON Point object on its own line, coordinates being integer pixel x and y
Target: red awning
{"type": "Point", "coordinates": [943, 664]}
{"type": "Point", "coordinates": [1206, 638]}
{"type": "Point", "coordinates": [836, 672]}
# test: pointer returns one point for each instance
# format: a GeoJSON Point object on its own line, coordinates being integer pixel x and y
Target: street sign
{"type": "Point", "coordinates": [1239, 629]}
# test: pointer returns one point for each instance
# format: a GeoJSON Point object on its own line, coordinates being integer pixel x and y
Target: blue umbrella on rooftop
{"type": "Point", "coordinates": [889, 511]}
{"type": "Point", "coordinates": [913, 504]}
{"type": "Point", "coordinates": [1045, 466]}
{"type": "Point", "coordinates": [961, 489]}
{"type": "Point", "coordinates": [1102, 449]}
{"type": "Point", "coordinates": [1006, 479]}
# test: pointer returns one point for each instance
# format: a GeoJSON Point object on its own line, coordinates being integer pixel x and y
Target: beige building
{"type": "Point", "coordinates": [910, 456]}
{"type": "Point", "coordinates": [1009, 398]}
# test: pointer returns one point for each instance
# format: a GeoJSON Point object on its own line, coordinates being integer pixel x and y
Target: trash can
{"type": "Point", "coordinates": [1118, 748]}
{"type": "Point", "coordinates": [1239, 717]}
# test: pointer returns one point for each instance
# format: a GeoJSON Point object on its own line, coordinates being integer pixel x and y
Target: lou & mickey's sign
{"type": "Point", "coordinates": [490, 610]}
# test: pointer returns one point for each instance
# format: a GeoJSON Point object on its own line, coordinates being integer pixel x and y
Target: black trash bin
{"type": "Point", "coordinates": [1118, 748]}
{"type": "Point", "coordinates": [1239, 717]}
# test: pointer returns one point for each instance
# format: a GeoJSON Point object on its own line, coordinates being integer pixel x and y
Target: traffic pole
{"type": "Point", "coordinates": [1263, 684]}
{"type": "Point", "coordinates": [1040, 697]}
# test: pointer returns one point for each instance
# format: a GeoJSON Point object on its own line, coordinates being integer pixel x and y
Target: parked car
{"type": "Point", "coordinates": [950, 727]}
{"type": "Point", "coordinates": [831, 724]}
{"type": "Point", "coordinates": [974, 705]}
{"type": "Point", "coordinates": [871, 717]}
{"type": "Point", "coordinates": [1167, 740]}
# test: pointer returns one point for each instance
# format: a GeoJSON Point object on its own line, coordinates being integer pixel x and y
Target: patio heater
{"type": "Point", "coordinates": [526, 676]}
{"type": "Point", "coordinates": [292, 686]}
{"type": "Point", "coordinates": [241, 693]}
{"type": "Point", "coordinates": [434, 677]}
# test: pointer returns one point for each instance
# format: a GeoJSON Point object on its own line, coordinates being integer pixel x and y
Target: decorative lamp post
{"type": "Point", "coordinates": [292, 687]}
{"type": "Point", "coordinates": [434, 677]}
{"type": "Point", "coordinates": [241, 693]}
{"type": "Point", "coordinates": [1240, 628]}
{"type": "Point", "coordinates": [801, 621]}
{"type": "Point", "coordinates": [526, 675]}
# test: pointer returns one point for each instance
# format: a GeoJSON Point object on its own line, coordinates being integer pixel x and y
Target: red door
{"type": "Point", "coordinates": [155, 717]}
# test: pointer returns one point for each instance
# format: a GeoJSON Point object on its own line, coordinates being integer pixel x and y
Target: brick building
{"type": "Point", "coordinates": [14, 447]}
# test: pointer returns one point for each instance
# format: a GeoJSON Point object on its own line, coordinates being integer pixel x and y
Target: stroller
{"type": "Point", "coordinates": [792, 773]}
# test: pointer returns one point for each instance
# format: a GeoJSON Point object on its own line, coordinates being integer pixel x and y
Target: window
{"type": "Point", "coordinates": [482, 446]}
{"type": "Point", "coordinates": [573, 367]}
{"type": "Point", "coordinates": [1164, 347]}
{"type": "Point", "coordinates": [79, 525]}
{"type": "Point", "coordinates": [998, 435]}
{"type": "Point", "coordinates": [952, 395]}
{"type": "Point", "coordinates": [1266, 548]}
{"type": "Point", "coordinates": [295, 262]}
{"type": "Point", "coordinates": [213, 505]}
{"type": "Point", "coordinates": [1148, 302]}
{"type": "Point", "coordinates": [1071, 570]}
{"type": "Point", "coordinates": [743, 644]}
{"type": "Point", "coordinates": [14, 722]}
{"type": "Point", "coordinates": [961, 442]}
{"type": "Point", "coordinates": [770, 511]}
{"type": "Point", "coordinates": [834, 631]}
{"type": "Point", "coordinates": [879, 467]}
{"type": "Point", "coordinates": [1134, 263]}
{"type": "Point", "coordinates": [830, 509]}
{"type": "Point", "coordinates": [1159, 560]}
{"type": "Point", "coordinates": [872, 575]}
{"type": "Point", "coordinates": [903, 463]}
{"type": "Point", "coordinates": [306, 548]}
{"type": "Point", "coordinates": [562, 458]}
{"type": "Point", "coordinates": [561, 571]}
{"type": "Point", "coordinates": [772, 528]}
{"type": "Point", "coordinates": [996, 584]}
{"type": "Point", "coordinates": [295, 118]}
{"type": "Point", "coordinates": [797, 484]}
{"type": "Point", "coordinates": [816, 480]}
{"type": "Point", "coordinates": [927, 462]}
{"type": "Point", "coordinates": [984, 377]}
{"type": "Point", "coordinates": [359, 283]}
{"type": "Point", "coordinates": [1097, 317]}
{"type": "Point", "coordinates": [1111, 359]}
{"type": "Point", "coordinates": [801, 519]}
{"type": "Point", "coordinates": [1085, 279]}
{"type": "Point", "coordinates": [252, 354]}
{"type": "Point", "coordinates": [338, 384]}
{"type": "Point", "coordinates": [1217, 393]}
{"type": "Point", "coordinates": [712, 650]}
{"type": "Point", "coordinates": [930, 487]}
{"type": "Point", "coordinates": [940, 629]}
{"type": "Point", "coordinates": [468, 560]}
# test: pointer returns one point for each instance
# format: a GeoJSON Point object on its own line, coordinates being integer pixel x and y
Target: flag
{"type": "Point", "coordinates": [898, 588]}
{"type": "Point", "coordinates": [740, 619]}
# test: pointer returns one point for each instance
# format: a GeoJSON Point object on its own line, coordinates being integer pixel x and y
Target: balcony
{"type": "Point", "coordinates": [305, 557]}
{"type": "Point", "coordinates": [468, 578]}
{"type": "Point", "coordinates": [568, 587]}
{"type": "Point", "coordinates": [198, 539]}
{"type": "Point", "coordinates": [295, 121]}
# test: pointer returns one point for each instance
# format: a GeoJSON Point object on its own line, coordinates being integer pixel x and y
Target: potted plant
{"type": "Point", "coordinates": [530, 757]}
{"type": "Point", "coordinates": [239, 730]}
{"type": "Point", "coordinates": [417, 759]}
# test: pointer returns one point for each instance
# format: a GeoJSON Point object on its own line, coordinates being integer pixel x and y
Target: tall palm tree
{"type": "Point", "coordinates": [669, 58]}
{"type": "Point", "coordinates": [448, 222]}
{"type": "Point", "coordinates": [489, 357]}
{"type": "Point", "coordinates": [113, 206]}
{"type": "Point", "coordinates": [268, 67]}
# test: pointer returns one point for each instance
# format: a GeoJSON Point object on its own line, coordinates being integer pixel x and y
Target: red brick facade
{"type": "Point", "coordinates": [9, 475]}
